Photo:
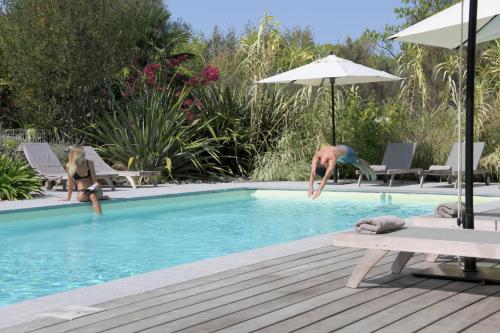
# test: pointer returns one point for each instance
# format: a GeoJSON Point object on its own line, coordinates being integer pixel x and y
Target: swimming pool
{"type": "Point", "coordinates": [52, 250]}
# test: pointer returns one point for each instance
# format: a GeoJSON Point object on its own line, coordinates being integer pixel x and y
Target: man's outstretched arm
{"type": "Point", "coordinates": [328, 174]}
{"type": "Point", "coordinates": [314, 164]}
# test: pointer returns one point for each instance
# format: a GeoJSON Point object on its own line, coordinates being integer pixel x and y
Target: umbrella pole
{"type": "Point", "coordinates": [334, 141]}
{"type": "Point", "coordinates": [470, 263]}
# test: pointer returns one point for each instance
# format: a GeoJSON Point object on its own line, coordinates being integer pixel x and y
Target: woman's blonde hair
{"type": "Point", "coordinates": [75, 153]}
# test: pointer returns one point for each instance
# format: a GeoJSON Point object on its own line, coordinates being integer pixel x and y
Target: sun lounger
{"type": "Point", "coordinates": [408, 241]}
{"type": "Point", "coordinates": [397, 161]}
{"type": "Point", "coordinates": [102, 166]}
{"type": "Point", "coordinates": [482, 221]}
{"type": "Point", "coordinates": [488, 220]}
{"type": "Point", "coordinates": [450, 169]}
{"type": "Point", "coordinates": [43, 160]}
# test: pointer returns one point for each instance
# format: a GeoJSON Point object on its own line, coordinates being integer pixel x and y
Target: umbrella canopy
{"type": "Point", "coordinates": [443, 28]}
{"type": "Point", "coordinates": [320, 71]}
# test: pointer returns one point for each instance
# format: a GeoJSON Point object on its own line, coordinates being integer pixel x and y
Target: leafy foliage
{"type": "Point", "coordinates": [151, 133]}
{"type": "Point", "coordinates": [17, 179]}
{"type": "Point", "coordinates": [62, 55]}
{"type": "Point", "coordinates": [229, 128]}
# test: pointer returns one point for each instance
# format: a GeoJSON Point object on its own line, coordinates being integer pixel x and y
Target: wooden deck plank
{"type": "Point", "coordinates": [468, 316]}
{"type": "Point", "coordinates": [207, 321]}
{"type": "Point", "coordinates": [265, 322]}
{"type": "Point", "coordinates": [186, 297]}
{"type": "Point", "coordinates": [489, 324]}
{"type": "Point", "coordinates": [359, 308]}
{"type": "Point", "coordinates": [212, 282]}
{"type": "Point", "coordinates": [33, 325]}
{"type": "Point", "coordinates": [431, 314]}
{"type": "Point", "coordinates": [188, 306]}
{"type": "Point", "coordinates": [401, 310]}
{"type": "Point", "coordinates": [267, 313]}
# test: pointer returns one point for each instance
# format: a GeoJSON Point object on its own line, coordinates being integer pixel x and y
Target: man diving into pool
{"type": "Point", "coordinates": [325, 160]}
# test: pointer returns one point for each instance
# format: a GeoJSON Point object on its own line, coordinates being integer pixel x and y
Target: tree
{"type": "Point", "coordinates": [61, 56]}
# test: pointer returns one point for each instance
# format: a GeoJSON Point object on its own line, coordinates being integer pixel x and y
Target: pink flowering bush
{"type": "Point", "coordinates": [159, 77]}
{"type": "Point", "coordinates": [210, 74]}
{"type": "Point", "coordinates": [150, 73]}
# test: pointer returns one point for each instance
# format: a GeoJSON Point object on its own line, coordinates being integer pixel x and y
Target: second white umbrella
{"type": "Point", "coordinates": [331, 70]}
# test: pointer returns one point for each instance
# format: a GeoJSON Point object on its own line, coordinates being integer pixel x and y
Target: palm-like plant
{"type": "Point", "coordinates": [150, 132]}
{"type": "Point", "coordinates": [229, 127]}
{"type": "Point", "coordinates": [17, 179]}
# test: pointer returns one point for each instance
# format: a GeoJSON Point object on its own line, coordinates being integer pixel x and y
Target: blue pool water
{"type": "Point", "coordinates": [47, 251]}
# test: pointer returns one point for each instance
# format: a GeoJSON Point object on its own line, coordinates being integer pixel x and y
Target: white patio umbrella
{"type": "Point", "coordinates": [481, 20]}
{"type": "Point", "coordinates": [444, 28]}
{"type": "Point", "coordinates": [334, 71]}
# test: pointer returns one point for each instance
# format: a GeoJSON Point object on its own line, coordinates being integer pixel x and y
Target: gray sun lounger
{"type": "Point", "coordinates": [102, 166]}
{"type": "Point", "coordinates": [411, 240]}
{"type": "Point", "coordinates": [450, 169]}
{"type": "Point", "coordinates": [43, 160]}
{"type": "Point", "coordinates": [397, 161]}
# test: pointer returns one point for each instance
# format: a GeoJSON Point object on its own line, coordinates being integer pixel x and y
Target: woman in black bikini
{"type": "Point", "coordinates": [81, 171]}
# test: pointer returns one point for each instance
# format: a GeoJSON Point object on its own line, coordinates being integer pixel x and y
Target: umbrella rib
{"type": "Point", "coordinates": [484, 25]}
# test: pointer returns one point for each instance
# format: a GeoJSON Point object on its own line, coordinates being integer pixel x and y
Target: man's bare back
{"type": "Point", "coordinates": [329, 153]}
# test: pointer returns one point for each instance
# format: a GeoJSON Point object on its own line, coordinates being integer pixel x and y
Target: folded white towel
{"type": "Point", "coordinates": [448, 209]}
{"type": "Point", "coordinates": [379, 224]}
{"type": "Point", "coordinates": [440, 168]}
{"type": "Point", "coordinates": [379, 167]}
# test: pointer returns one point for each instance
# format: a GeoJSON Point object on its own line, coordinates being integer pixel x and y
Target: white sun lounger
{"type": "Point", "coordinates": [488, 220]}
{"type": "Point", "coordinates": [101, 166]}
{"type": "Point", "coordinates": [408, 241]}
{"type": "Point", "coordinates": [450, 169]}
{"type": "Point", "coordinates": [397, 161]}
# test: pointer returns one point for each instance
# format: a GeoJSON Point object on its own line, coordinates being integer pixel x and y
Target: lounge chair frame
{"type": "Point", "coordinates": [102, 166]}
{"type": "Point", "coordinates": [411, 240]}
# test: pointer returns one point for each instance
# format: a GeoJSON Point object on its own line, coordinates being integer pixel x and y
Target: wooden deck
{"type": "Point", "coordinates": [300, 293]}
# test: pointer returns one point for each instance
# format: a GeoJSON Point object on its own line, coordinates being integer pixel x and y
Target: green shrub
{"type": "Point", "coordinates": [229, 126]}
{"type": "Point", "coordinates": [290, 160]}
{"type": "Point", "coordinates": [17, 179]}
{"type": "Point", "coordinates": [151, 132]}
{"type": "Point", "coordinates": [8, 145]}
{"type": "Point", "coordinates": [492, 162]}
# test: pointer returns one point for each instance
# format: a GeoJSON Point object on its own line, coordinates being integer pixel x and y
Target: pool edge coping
{"type": "Point", "coordinates": [140, 198]}
{"type": "Point", "coordinates": [257, 186]}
